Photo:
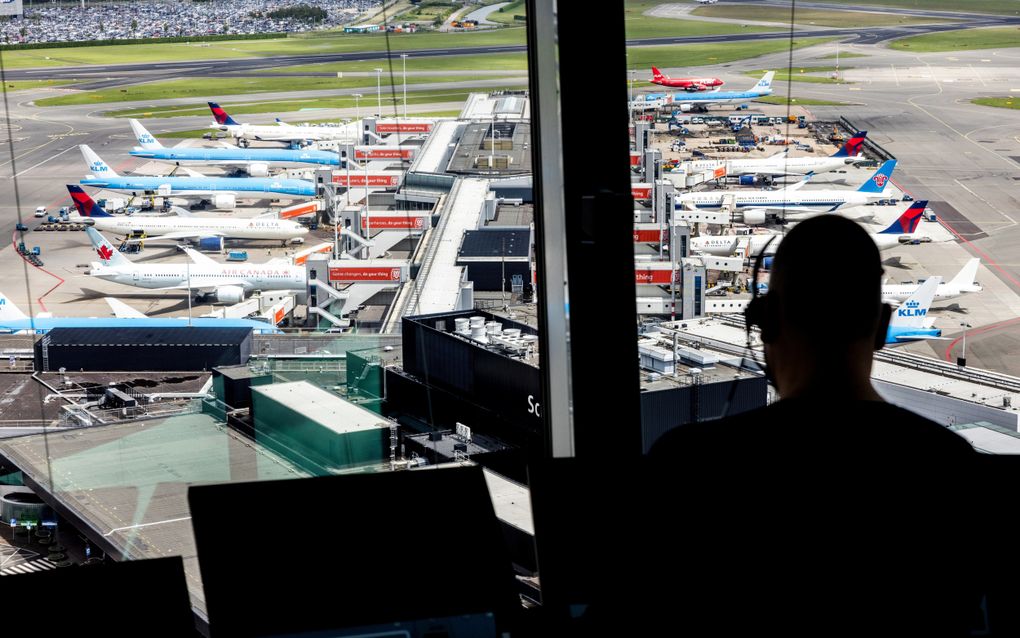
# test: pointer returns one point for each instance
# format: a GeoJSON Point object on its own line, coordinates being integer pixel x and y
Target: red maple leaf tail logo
{"type": "Point", "coordinates": [104, 252]}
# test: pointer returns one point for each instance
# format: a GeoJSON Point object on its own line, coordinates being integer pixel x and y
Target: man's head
{"type": "Point", "coordinates": [825, 295]}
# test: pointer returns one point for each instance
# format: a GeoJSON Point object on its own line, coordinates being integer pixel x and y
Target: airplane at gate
{"type": "Point", "coordinates": [14, 321]}
{"type": "Point", "coordinates": [910, 321]}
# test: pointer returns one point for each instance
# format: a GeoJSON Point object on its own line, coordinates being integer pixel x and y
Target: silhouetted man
{"type": "Point", "coordinates": [829, 511]}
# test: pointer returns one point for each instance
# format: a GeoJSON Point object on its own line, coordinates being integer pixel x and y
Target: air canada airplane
{"type": "Point", "coordinates": [226, 283]}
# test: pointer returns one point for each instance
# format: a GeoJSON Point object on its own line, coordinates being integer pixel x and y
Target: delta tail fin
{"type": "Point", "coordinates": [852, 148]}
{"type": "Point", "coordinates": [964, 280]}
{"type": "Point", "coordinates": [87, 207]}
{"type": "Point", "coordinates": [764, 85]}
{"type": "Point", "coordinates": [8, 311]}
{"type": "Point", "coordinates": [145, 140]}
{"type": "Point", "coordinates": [913, 312]}
{"type": "Point", "coordinates": [221, 116]}
{"type": "Point", "coordinates": [109, 256]}
{"type": "Point", "coordinates": [907, 223]}
{"type": "Point", "coordinates": [96, 165]}
{"type": "Point", "coordinates": [877, 182]}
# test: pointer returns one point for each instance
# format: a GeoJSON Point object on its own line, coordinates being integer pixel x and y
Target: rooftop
{"type": "Point", "coordinates": [506, 144]}
{"type": "Point", "coordinates": [496, 242]}
{"type": "Point", "coordinates": [322, 407]}
{"type": "Point", "coordinates": [505, 105]}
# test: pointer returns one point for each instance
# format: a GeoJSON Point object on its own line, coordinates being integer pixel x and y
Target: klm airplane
{"type": "Point", "coordinates": [910, 321]}
{"type": "Point", "coordinates": [254, 161]}
{"type": "Point", "coordinates": [223, 191]}
{"type": "Point", "coordinates": [13, 321]}
{"type": "Point", "coordinates": [690, 101]}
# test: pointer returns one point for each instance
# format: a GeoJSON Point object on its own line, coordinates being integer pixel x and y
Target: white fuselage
{"type": "Point", "coordinates": [898, 293]}
{"type": "Point", "coordinates": [776, 165]}
{"type": "Point", "coordinates": [752, 245]}
{"type": "Point", "coordinates": [279, 133]}
{"type": "Point", "coordinates": [205, 276]}
{"type": "Point", "coordinates": [820, 200]}
{"type": "Point", "coordinates": [254, 228]}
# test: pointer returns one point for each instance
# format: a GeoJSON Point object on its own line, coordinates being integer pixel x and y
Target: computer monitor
{"type": "Point", "coordinates": [339, 555]}
{"type": "Point", "coordinates": [132, 598]}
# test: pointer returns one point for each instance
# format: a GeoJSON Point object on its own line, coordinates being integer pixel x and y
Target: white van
{"type": "Point", "coordinates": [40, 211]}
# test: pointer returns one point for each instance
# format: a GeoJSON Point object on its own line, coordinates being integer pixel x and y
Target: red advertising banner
{"type": "Point", "coordinates": [635, 159]}
{"type": "Point", "coordinates": [364, 273]}
{"type": "Point", "coordinates": [403, 127]}
{"type": "Point", "coordinates": [648, 236]}
{"type": "Point", "coordinates": [401, 222]}
{"type": "Point", "coordinates": [646, 276]}
{"type": "Point", "coordinates": [299, 210]}
{"type": "Point", "coordinates": [376, 152]}
{"type": "Point", "coordinates": [641, 191]}
{"type": "Point", "coordinates": [358, 179]}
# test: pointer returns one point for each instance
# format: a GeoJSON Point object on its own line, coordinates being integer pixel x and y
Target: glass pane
{"type": "Point", "coordinates": [239, 262]}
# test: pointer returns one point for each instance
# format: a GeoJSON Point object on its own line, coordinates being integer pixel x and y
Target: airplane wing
{"type": "Point", "coordinates": [799, 185]}
{"type": "Point", "coordinates": [123, 311]}
{"type": "Point", "coordinates": [191, 172]}
{"type": "Point", "coordinates": [907, 338]}
{"type": "Point", "coordinates": [226, 145]}
{"type": "Point", "coordinates": [208, 286]}
{"type": "Point", "coordinates": [181, 234]}
{"type": "Point", "coordinates": [199, 258]}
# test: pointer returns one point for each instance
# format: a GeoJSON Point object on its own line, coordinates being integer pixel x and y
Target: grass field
{"type": "Point", "coordinates": [197, 133]}
{"type": "Point", "coordinates": [842, 55]}
{"type": "Point", "coordinates": [506, 16]}
{"type": "Point", "coordinates": [24, 85]}
{"type": "Point", "coordinates": [488, 62]}
{"type": "Point", "coordinates": [283, 106]}
{"type": "Point", "coordinates": [639, 25]}
{"type": "Point", "coordinates": [337, 43]}
{"type": "Point", "coordinates": [1002, 7]}
{"type": "Point", "coordinates": [689, 55]}
{"type": "Point", "coordinates": [213, 87]}
{"type": "Point", "coordinates": [801, 75]}
{"type": "Point", "coordinates": [818, 17]}
{"type": "Point", "coordinates": [996, 38]}
{"type": "Point", "coordinates": [1000, 102]}
{"type": "Point", "coordinates": [781, 99]}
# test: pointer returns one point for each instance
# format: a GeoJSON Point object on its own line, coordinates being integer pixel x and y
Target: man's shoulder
{"type": "Point", "coordinates": [796, 426]}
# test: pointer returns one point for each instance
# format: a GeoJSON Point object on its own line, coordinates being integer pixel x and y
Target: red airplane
{"type": "Point", "coordinates": [689, 84]}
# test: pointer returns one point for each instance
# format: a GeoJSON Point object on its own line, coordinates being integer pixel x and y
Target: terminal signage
{"type": "Point", "coordinates": [653, 276]}
{"type": "Point", "coordinates": [648, 235]}
{"type": "Point", "coordinates": [641, 191]}
{"type": "Point", "coordinates": [376, 152]}
{"type": "Point", "coordinates": [403, 127]}
{"type": "Point", "coordinates": [358, 179]}
{"type": "Point", "coordinates": [365, 273]}
{"type": "Point", "coordinates": [635, 159]}
{"type": "Point", "coordinates": [391, 222]}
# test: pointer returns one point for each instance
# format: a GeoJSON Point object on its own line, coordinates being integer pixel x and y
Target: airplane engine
{"type": "Point", "coordinates": [754, 217]}
{"type": "Point", "coordinates": [230, 294]}
{"type": "Point", "coordinates": [224, 200]}
{"type": "Point", "coordinates": [258, 169]}
{"type": "Point", "coordinates": [685, 108]}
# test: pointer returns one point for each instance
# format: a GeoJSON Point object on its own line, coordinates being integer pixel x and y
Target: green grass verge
{"type": "Point", "coordinates": [284, 106]}
{"type": "Point", "coordinates": [803, 101]}
{"type": "Point", "coordinates": [818, 17]}
{"type": "Point", "coordinates": [963, 40]}
{"type": "Point", "coordinates": [335, 43]}
{"type": "Point", "coordinates": [639, 25]}
{"type": "Point", "coordinates": [24, 85]}
{"type": "Point", "coordinates": [215, 87]}
{"type": "Point", "coordinates": [487, 62]}
{"type": "Point", "coordinates": [198, 133]}
{"type": "Point", "coordinates": [1000, 102]}
{"type": "Point", "coordinates": [507, 14]}
{"type": "Point", "coordinates": [1002, 7]}
{"type": "Point", "coordinates": [800, 74]}
{"type": "Point", "coordinates": [691, 55]}
{"type": "Point", "coordinates": [842, 55]}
